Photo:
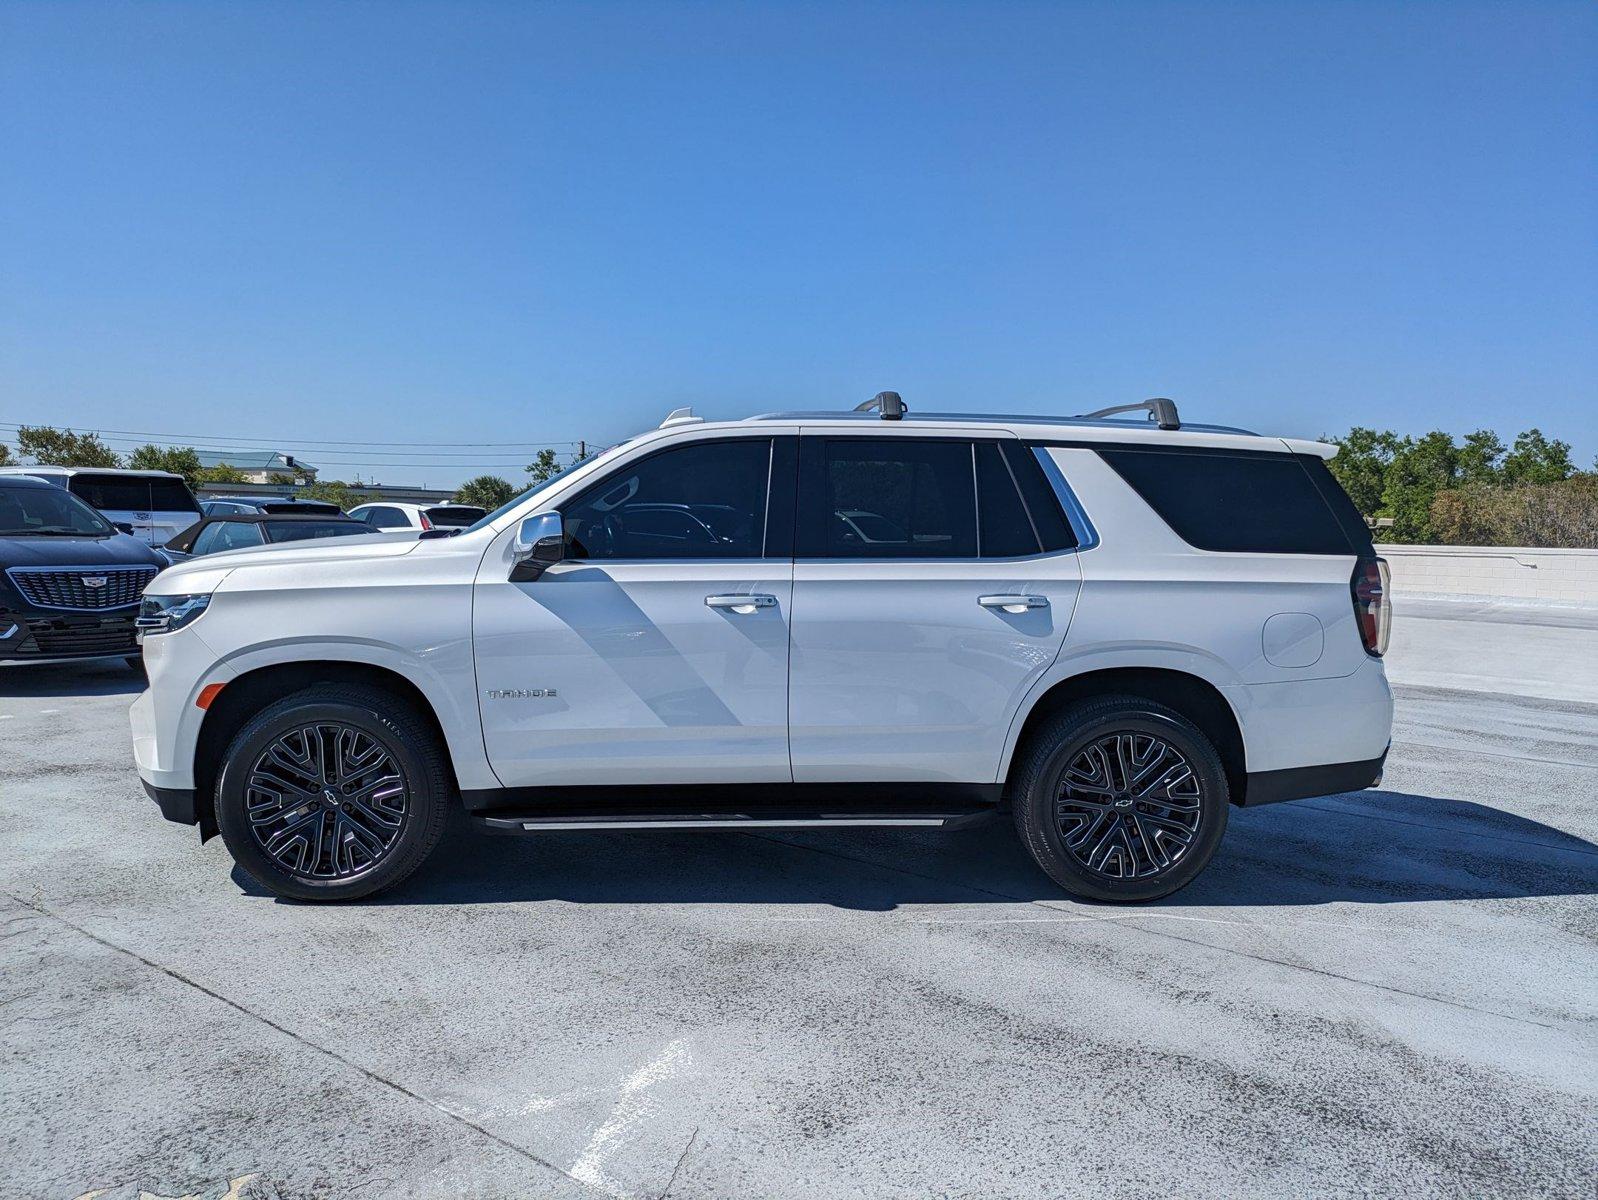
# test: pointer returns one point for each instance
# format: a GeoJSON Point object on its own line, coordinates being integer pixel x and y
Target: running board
{"type": "Point", "coordinates": [559, 823]}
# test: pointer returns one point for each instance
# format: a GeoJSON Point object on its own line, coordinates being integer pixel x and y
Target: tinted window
{"type": "Point", "coordinates": [298, 531]}
{"type": "Point", "coordinates": [227, 535]}
{"type": "Point", "coordinates": [1222, 500]}
{"type": "Point", "coordinates": [130, 493]}
{"type": "Point", "coordinates": [1005, 526]}
{"type": "Point", "coordinates": [1042, 500]}
{"type": "Point", "coordinates": [706, 500]}
{"type": "Point", "coordinates": [887, 498]}
{"type": "Point", "coordinates": [454, 516]}
{"type": "Point", "coordinates": [384, 517]}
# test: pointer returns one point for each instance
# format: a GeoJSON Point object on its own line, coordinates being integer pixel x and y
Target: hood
{"type": "Point", "coordinates": [117, 551]}
{"type": "Point", "coordinates": [210, 568]}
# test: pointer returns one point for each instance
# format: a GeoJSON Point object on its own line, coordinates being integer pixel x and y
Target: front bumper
{"type": "Point", "coordinates": [176, 804]}
{"type": "Point", "coordinates": [38, 636]}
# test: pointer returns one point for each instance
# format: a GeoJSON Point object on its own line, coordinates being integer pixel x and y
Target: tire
{"type": "Point", "coordinates": [1095, 836]}
{"type": "Point", "coordinates": [383, 801]}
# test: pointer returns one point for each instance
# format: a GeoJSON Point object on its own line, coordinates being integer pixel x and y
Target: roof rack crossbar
{"type": "Point", "coordinates": [1160, 410]}
{"type": "Point", "coordinates": [890, 404]}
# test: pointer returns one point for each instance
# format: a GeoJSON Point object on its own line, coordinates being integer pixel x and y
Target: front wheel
{"type": "Point", "coordinates": [1120, 799]}
{"type": "Point", "coordinates": [333, 793]}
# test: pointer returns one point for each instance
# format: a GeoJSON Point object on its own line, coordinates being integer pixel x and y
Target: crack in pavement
{"type": "Point", "coordinates": [1126, 922]}
{"type": "Point", "coordinates": [392, 1085]}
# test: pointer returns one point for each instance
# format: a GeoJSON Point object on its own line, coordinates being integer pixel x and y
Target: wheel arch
{"type": "Point", "coordinates": [1196, 698]}
{"type": "Point", "coordinates": [254, 689]}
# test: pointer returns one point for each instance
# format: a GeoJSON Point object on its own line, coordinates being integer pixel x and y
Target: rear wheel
{"type": "Point", "coordinates": [1121, 799]}
{"type": "Point", "coordinates": [333, 793]}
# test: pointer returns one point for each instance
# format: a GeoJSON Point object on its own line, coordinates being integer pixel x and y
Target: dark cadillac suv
{"type": "Point", "coordinates": [69, 581]}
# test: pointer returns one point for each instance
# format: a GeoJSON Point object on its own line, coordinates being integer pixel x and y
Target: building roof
{"type": "Point", "coordinates": [250, 460]}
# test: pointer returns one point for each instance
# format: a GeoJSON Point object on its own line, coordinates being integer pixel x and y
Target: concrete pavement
{"type": "Point", "coordinates": [1394, 989]}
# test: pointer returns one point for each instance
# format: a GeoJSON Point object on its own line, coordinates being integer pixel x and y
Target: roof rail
{"type": "Point", "coordinates": [889, 404]}
{"type": "Point", "coordinates": [1160, 410]}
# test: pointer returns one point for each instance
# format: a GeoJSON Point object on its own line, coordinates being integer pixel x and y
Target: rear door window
{"type": "Point", "coordinates": [898, 497]}
{"type": "Point", "coordinates": [1240, 501]}
{"type": "Point", "coordinates": [384, 517]}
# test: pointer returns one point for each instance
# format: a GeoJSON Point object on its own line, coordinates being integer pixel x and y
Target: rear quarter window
{"type": "Point", "coordinates": [1240, 501]}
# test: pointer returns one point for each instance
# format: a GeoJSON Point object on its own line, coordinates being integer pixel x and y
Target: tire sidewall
{"type": "Point", "coordinates": [234, 825]}
{"type": "Point", "coordinates": [1063, 867]}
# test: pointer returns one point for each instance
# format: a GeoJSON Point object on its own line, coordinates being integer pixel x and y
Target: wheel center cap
{"type": "Point", "coordinates": [1123, 801]}
{"type": "Point", "coordinates": [330, 797]}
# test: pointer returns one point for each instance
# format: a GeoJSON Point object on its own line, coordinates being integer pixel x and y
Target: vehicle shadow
{"type": "Point", "coordinates": [1373, 847]}
{"type": "Point", "coordinates": [91, 677]}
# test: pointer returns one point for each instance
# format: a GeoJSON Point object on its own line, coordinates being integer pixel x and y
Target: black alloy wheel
{"type": "Point", "coordinates": [333, 793]}
{"type": "Point", "coordinates": [1119, 798]}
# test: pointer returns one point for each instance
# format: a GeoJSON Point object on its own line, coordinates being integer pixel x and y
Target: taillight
{"type": "Point", "coordinates": [426, 524]}
{"type": "Point", "coordinates": [1372, 612]}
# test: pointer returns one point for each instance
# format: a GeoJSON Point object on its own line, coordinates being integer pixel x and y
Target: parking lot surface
{"type": "Point", "coordinates": [1392, 990]}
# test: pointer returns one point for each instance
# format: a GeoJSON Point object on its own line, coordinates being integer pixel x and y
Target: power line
{"type": "Point", "coordinates": [186, 439]}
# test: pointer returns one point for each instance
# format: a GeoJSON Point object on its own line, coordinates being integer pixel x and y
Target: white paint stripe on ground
{"type": "Point", "coordinates": [631, 1108]}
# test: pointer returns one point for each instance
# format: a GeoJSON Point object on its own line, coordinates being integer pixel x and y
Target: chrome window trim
{"type": "Point", "coordinates": [1087, 536]}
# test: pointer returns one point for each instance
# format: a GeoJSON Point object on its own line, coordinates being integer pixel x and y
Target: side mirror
{"type": "Point", "coordinates": [122, 526]}
{"type": "Point", "coordinates": [540, 544]}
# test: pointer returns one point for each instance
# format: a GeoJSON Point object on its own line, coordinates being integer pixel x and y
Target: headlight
{"type": "Point", "coordinates": [165, 614]}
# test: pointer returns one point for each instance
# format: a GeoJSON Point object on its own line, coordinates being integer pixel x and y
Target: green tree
{"type": "Point", "coordinates": [485, 491]}
{"type": "Point", "coordinates": [279, 477]}
{"type": "Point", "coordinates": [1420, 469]}
{"type": "Point", "coordinates": [5, 454]}
{"type": "Point", "coordinates": [1480, 457]}
{"type": "Point", "coordinates": [545, 464]}
{"type": "Point", "coordinates": [180, 460]}
{"type": "Point", "coordinates": [63, 448]}
{"type": "Point", "coordinates": [335, 491]}
{"type": "Point", "coordinates": [221, 473]}
{"type": "Point", "coordinates": [1363, 458]}
{"type": "Point", "coordinates": [1535, 459]}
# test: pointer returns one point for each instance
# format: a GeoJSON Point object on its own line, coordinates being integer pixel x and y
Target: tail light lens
{"type": "Point", "coordinates": [426, 524]}
{"type": "Point", "coordinates": [1372, 610]}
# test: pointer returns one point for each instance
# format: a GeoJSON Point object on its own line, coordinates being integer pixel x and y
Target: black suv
{"type": "Point", "coordinates": [69, 581]}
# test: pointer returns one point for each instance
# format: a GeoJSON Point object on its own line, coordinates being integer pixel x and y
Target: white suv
{"type": "Point", "coordinates": [1115, 630]}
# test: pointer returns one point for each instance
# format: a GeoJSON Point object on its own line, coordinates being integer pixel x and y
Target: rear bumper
{"type": "Point", "coordinates": [1299, 783]}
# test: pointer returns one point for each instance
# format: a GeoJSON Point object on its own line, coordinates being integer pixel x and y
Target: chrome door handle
{"type": "Point", "coordinates": [744, 603]}
{"type": "Point", "coordinates": [1013, 604]}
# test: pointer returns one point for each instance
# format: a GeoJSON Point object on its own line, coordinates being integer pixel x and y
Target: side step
{"type": "Point", "coordinates": [547, 822]}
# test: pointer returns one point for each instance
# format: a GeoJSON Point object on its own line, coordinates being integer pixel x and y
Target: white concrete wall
{"type": "Point", "coordinates": [1494, 573]}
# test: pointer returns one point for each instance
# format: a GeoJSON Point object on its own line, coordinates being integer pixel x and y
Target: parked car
{"type": "Point", "coordinates": [155, 506]}
{"type": "Point", "coordinates": [393, 515]}
{"type": "Point", "coordinates": [246, 531]}
{"type": "Point", "coordinates": [234, 505]}
{"type": "Point", "coordinates": [1113, 630]}
{"type": "Point", "coordinates": [70, 582]}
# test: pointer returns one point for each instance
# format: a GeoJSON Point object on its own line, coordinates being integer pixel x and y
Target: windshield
{"type": "Point", "coordinates": [499, 512]}
{"type": "Point", "coordinates": [42, 511]}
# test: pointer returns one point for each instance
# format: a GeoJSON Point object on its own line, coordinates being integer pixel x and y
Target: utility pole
{"type": "Point", "coordinates": [582, 449]}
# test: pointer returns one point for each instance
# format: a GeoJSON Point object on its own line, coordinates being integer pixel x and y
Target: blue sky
{"type": "Point", "coordinates": [531, 223]}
